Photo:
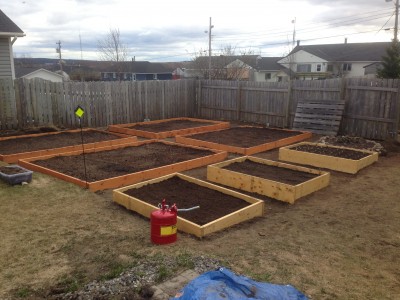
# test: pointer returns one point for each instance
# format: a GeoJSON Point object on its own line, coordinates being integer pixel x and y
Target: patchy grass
{"type": "Point", "coordinates": [338, 243]}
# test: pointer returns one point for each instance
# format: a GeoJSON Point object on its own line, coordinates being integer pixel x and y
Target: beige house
{"type": "Point", "coordinates": [9, 32]}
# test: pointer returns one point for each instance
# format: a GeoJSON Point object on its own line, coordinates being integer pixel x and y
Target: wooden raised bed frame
{"type": "Point", "coordinates": [255, 209]}
{"type": "Point", "coordinates": [124, 128]}
{"type": "Point", "coordinates": [127, 179]}
{"type": "Point", "coordinates": [277, 190]}
{"type": "Point", "coordinates": [188, 140]}
{"type": "Point", "coordinates": [325, 161]}
{"type": "Point", "coordinates": [13, 158]}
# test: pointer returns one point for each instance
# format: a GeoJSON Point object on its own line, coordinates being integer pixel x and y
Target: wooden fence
{"type": "Point", "coordinates": [372, 107]}
{"type": "Point", "coordinates": [43, 103]}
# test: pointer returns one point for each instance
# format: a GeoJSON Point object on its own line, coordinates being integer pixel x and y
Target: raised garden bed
{"type": "Point", "coordinates": [120, 165]}
{"type": "Point", "coordinates": [244, 140]}
{"type": "Point", "coordinates": [219, 207]}
{"type": "Point", "coordinates": [336, 158]}
{"type": "Point", "coordinates": [26, 146]}
{"type": "Point", "coordinates": [14, 174]}
{"type": "Point", "coordinates": [160, 129]}
{"type": "Point", "coordinates": [274, 179]}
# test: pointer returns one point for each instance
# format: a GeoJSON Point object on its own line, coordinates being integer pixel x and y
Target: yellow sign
{"type": "Point", "coordinates": [79, 112]}
{"type": "Point", "coordinates": [168, 230]}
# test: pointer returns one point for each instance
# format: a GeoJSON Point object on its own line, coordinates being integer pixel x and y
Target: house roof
{"type": "Point", "coordinates": [224, 60]}
{"type": "Point", "coordinates": [346, 51]}
{"type": "Point", "coordinates": [22, 72]}
{"type": "Point", "coordinates": [269, 64]}
{"type": "Point", "coordinates": [8, 27]}
{"type": "Point", "coordinates": [143, 67]}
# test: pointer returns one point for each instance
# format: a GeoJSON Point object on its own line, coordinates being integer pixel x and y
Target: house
{"type": "Point", "coordinates": [269, 70]}
{"type": "Point", "coordinates": [135, 70]}
{"type": "Point", "coordinates": [225, 67]}
{"type": "Point", "coordinates": [238, 67]}
{"type": "Point", "coordinates": [9, 32]}
{"type": "Point", "coordinates": [30, 73]}
{"type": "Point", "coordinates": [333, 60]}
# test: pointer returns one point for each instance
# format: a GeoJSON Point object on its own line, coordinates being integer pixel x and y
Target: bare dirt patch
{"type": "Point", "coordinates": [331, 151]}
{"type": "Point", "coordinates": [245, 136]}
{"type": "Point", "coordinates": [270, 172]}
{"type": "Point", "coordinates": [213, 204]}
{"type": "Point", "coordinates": [63, 139]}
{"type": "Point", "coordinates": [9, 170]}
{"type": "Point", "coordinates": [169, 125]}
{"type": "Point", "coordinates": [107, 164]}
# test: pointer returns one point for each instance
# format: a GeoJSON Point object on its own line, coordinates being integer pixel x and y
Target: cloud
{"type": "Point", "coordinates": [152, 29]}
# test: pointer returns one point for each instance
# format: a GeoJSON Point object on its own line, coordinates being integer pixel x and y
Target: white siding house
{"type": "Point", "coordinates": [333, 60]}
{"type": "Point", "coordinates": [9, 32]}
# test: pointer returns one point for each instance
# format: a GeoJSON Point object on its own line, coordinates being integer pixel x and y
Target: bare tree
{"type": "Point", "coordinates": [225, 66]}
{"type": "Point", "coordinates": [111, 48]}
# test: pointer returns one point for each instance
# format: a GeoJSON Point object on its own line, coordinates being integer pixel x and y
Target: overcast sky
{"type": "Point", "coordinates": [173, 30]}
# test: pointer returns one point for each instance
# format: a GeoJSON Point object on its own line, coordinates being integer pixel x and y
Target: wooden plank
{"type": "Point", "coordinates": [317, 116]}
{"type": "Point", "coordinates": [321, 106]}
{"type": "Point", "coordinates": [325, 161]}
{"type": "Point", "coordinates": [255, 209]}
{"type": "Point", "coordinates": [277, 190]}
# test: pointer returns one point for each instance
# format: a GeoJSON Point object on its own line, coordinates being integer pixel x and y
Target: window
{"type": "Point", "coordinates": [267, 76]}
{"type": "Point", "coordinates": [114, 75]}
{"type": "Point", "coordinates": [319, 68]}
{"type": "Point", "coordinates": [280, 78]}
{"type": "Point", "coordinates": [330, 68]}
{"type": "Point", "coordinates": [303, 68]}
{"type": "Point", "coordinates": [154, 76]}
{"type": "Point", "coordinates": [134, 77]}
{"type": "Point", "coordinates": [346, 67]}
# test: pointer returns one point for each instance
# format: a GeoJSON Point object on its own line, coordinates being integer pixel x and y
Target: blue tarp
{"type": "Point", "coordinates": [224, 284]}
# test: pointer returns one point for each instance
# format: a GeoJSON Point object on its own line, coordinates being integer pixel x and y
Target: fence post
{"type": "Point", "coordinates": [18, 104]}
{"type": "Point", "coordinates": [239, 101]}
{"type": "Point", "coordinates": [198, 113]}
{"type": "Point", "coordinates": [397, 123]}
{"type": "Point", "coordinates": [288, 105]}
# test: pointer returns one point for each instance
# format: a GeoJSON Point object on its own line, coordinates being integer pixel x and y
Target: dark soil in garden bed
{"type": "Point", "coordinates": [213, 204]}
{"type": "Point", "coordinates": [107, 164]}
{"type": "Point", "coordinates": [63, 139]}
{"type": "Point", "coordinates": [278, 174]}
{"type": "Point", "coordinates": [245, 136]}
{"type": "Point", "coordinates": [330, 151]}
{"type": "Point", "coordinates": [170, 125]}
{"type": "Point", "coordinates": [10, 170]}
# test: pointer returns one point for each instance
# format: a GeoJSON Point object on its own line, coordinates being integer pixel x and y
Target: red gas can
{"type": "Point", "coordinates": [163, 224]}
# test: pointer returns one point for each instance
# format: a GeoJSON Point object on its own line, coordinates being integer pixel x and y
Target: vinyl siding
{"type": "Point", "coordinates": [5, 63]}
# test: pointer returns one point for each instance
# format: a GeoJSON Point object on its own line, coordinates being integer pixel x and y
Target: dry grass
{"type": "Point", "coordinates": [340, 243]}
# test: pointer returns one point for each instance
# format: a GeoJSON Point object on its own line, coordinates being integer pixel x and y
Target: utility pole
{"type": "Point", "coordinates": [396, 22]}
{"type": "Point", "coordinates": [294, 32]}
{"type": "Point", "coordinates": [209, 49]}
{"type": "Point", "coordinates": [58, 49]}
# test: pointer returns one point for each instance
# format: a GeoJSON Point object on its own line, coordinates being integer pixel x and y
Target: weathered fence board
{"type": "Point", "coordinates": [371, 108]}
